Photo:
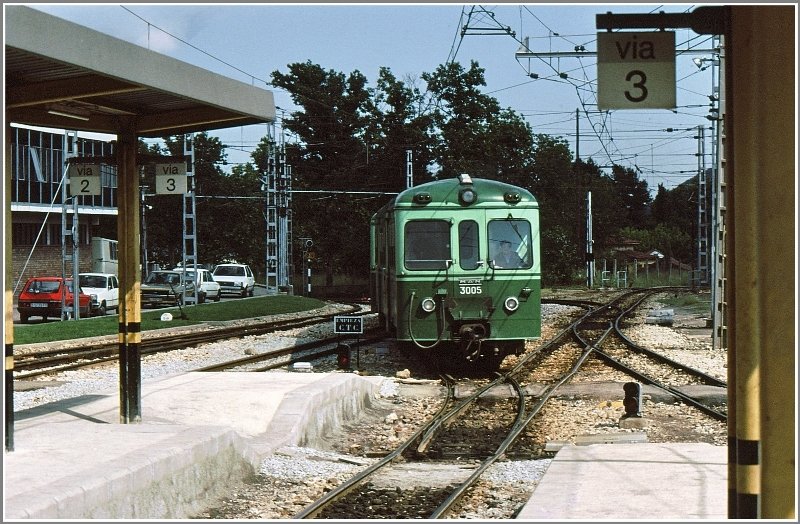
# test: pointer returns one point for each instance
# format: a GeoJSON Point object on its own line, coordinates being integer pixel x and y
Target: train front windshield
{"type": "Point", "coordinates": [427, 245]}
{"type": "Point", "coordinates": [510, 244]}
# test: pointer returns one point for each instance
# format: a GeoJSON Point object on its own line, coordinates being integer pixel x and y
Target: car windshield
{"type": "Point", "coordinates": [163, 278]}
{"type": "Point", "coordinates": [229, 271]}
{"type": "Point", "coordinates": [44, 286]}
{"type": "Point", "coordinates": [92, 281]}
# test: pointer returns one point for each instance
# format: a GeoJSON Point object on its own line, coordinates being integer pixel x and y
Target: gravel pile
{"type": "Point", "coordinates": [293, 477]}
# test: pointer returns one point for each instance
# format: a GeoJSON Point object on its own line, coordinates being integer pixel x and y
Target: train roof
{"type": "Point", "coordinates": [449, 191]}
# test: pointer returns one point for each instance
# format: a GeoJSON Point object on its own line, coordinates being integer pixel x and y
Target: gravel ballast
{"type": "Point", "coordinates": [293, 477]}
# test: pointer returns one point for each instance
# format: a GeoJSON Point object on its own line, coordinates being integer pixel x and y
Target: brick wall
{"type": "Point", "coordinates": [44, 261]}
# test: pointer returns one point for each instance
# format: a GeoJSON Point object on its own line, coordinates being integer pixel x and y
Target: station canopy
{"type": "Point", "coordinates": [63, 75]}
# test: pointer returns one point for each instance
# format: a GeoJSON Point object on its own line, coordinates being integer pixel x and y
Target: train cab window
{"type": "Point", "coordinates": [510, 244]}
{"type": "Point", "coordinates": [427, 245]}
{"type": "Point", "coordinates": [468, 245]}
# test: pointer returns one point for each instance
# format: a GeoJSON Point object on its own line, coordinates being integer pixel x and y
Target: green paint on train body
{"type": "Point", "coordinates": [440, 243]}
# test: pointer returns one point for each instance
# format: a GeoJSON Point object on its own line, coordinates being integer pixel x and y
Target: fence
{"type": "Point", "coordinates": [644, 273]}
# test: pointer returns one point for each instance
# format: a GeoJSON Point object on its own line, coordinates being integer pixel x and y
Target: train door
{"type": "Point", "coordinates": [389, 272]}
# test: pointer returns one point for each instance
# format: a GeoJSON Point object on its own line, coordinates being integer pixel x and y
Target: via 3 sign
{"type": "Point", "coordinates": [171, 178]}
{"type": "Point", "coordinates": [636, 70]}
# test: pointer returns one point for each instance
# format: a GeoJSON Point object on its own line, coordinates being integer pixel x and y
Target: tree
{"type": "Point", "coordinates": [229, 219]}
{"type": "Point", "coordinates": [331, 155]}
{"type": "Point", "coordinates": [634, 196]}
{"type": "Point", "coordinates": [474, 135]}
{"type": "Point", "coordinates": [397, 124]}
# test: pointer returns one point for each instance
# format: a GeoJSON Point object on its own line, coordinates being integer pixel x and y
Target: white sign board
{"type": "Point", "coordinates": [348, 324]}
{"type": "Point", "coordinates": [84, 179]}
{"type": "Point", "coordinates": [171, 178]}
{"type": "Point", "coordinates": [636, 70]}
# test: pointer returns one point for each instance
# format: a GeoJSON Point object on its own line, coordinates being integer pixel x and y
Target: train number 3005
{"type": "Point", "coordinates": [471, 290]}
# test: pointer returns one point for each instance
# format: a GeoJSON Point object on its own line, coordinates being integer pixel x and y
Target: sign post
{"type": "Point", "coordinates": [348, 325]}
{"type": "Point", "coordinates": [636, 70]}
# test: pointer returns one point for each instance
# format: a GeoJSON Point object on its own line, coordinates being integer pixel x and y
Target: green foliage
{"type": "Point", "coordinates": [558, 257]}
{"type": "Point", "coordinates": [669, 240]}
{"type": "Point", "coordinates": [350, 156]}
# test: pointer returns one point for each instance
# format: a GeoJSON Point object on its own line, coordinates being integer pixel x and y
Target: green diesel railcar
{"type": "Point", "coordinates": [456, 269]}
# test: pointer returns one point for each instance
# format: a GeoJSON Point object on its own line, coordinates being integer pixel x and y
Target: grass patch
{"type": "Point", "coordinates": [151, 319]}
{"type": "Point", "coordinates": [693, 302]}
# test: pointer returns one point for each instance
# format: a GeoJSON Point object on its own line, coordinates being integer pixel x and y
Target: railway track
{"type": "Point", "coordinates": [596, 329]}
{"type": "Point", "coordinates": [93, 352]}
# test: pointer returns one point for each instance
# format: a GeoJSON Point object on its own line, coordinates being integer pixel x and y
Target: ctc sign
{"type": "Point", "coordinates": [636, 70]}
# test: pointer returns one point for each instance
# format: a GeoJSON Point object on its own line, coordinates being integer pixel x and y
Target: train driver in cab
{"type": "Point", "coordinates": [507, 257]}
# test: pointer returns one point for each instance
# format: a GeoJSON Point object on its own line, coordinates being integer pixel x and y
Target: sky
{"type": "Point", "coordinates": [247, 42]}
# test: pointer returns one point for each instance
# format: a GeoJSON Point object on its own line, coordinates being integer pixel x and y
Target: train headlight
{"type": "Point", "coordinates": [428, 304]}
{"type": "Point", "coordinates": [511, 304]}
{"type": "Point", "coordinates": [467, 196]}
{"type": "Point", "coordinates": [422, 198]}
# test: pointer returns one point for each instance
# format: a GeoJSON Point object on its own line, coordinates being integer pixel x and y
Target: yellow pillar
{"type": "Point", "coordinates": [762, 244]}
{"type": "Point", "coordinates": [130, 311]}
{"type": "Point", "coordinates": [8, 304]}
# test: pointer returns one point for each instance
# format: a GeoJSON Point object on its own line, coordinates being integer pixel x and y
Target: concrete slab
{"type": "Point", "coordinates": [199, 433]}
{"type": "Point", "coordinates": [643, 481]}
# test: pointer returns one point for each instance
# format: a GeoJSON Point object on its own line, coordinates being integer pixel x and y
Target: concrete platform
{"type": "Point", "coordinates": [633, 482]}
{"type": "Point", "coordinates": [199, 432]}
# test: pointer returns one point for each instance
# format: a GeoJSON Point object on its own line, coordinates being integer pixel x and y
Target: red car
{"type": "Point", "coordinates": [41, 297]}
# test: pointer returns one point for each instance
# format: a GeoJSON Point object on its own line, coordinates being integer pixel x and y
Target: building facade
{"type": "Point", "coordinates": [44, 232]}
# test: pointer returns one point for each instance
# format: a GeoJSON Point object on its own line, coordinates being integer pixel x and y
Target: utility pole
{"type": "Point", "coordinates": [589, 242]}
{"type": "Point", "coordinates": [189, 228]}
{"type": "Point", "coordinates": [409, 169]}
{"type": "Point", "coordinates": [277, 184]}
{"type": "Point", "coordinates": [577, 134]}
{"type": "Point", "coordinates": [702, 210]}
{"type": "Point", "coordinates": [70, 234]}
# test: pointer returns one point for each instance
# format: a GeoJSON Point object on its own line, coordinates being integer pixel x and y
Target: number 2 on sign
{"type": "Point", "coordinates": [639, 84]}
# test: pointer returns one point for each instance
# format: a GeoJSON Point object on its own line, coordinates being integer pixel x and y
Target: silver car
{"type": "Point", "coordinates": [166, 288]}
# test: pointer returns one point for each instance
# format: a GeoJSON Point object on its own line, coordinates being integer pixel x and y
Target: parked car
{"type": "Point", "coordinates": [42, 297]}
{"type": "Point", "coordinates": [104, 290]}
{"type": "Point", "coordinates": [208, 288]}
{"type": "Point", "coordinates": [236, 279]}
{"type": "Point", "coordinates": [166, 288]}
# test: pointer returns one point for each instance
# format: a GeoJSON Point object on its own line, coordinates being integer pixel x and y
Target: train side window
{"type": "Point", "coordinates": [468, 244]}
{"type": "Point", "coordinates": [427, 245]}
{"type": "Point", "coordinates": [510, 244]}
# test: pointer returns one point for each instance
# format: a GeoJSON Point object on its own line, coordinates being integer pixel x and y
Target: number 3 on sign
{"type": "Point", "coordinates": [170, 184]}
{"type": "Point", "coordinates": [637, 79]}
